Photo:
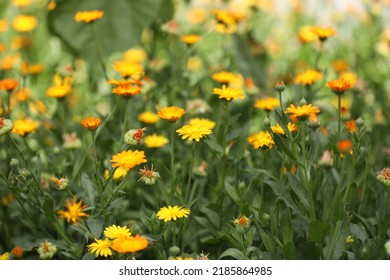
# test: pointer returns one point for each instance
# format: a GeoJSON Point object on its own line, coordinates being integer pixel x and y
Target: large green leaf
{"type": "Point", "coordinates": [118, 30]}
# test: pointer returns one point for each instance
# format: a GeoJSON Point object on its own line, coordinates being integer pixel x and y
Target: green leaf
{"type": "Point", "coordinates": [205, 223]}
{"type": "Point", "coordinates": [299, 189]}
{"type": "Point", "coordinates": [234, 133]}
{"type": "Point", "coordinates": [318, 230]}
{"type": "Point", "coordinates": [359, 232]}
{"type": "Point", "coordinates": [234, 119]}
{"type": "Point", "coordinates": [233, 193]}
{"type": "Point", "coordinates": [95, 226]}
{"type": "Point", "coordinates": [87, 186]}
{"type": "Point", "coordinates": [213, 217]}
{"type": "Point", "coordinates": [123, 23]}
{"type": "Point", "coordinates": [269, 243]}
{"type": "Point", "coordinates": [281, 144]}
{"type": "Point", "coordinates": [233, 253]}
{"type": "Point", "coordinates": [214, 147]}
{"type": "Point", "coordinates": [48, 209]}
{"type": "Point", "coordinates": [289, 251]}
{"type": "Point", "coordinates": [285, 225]}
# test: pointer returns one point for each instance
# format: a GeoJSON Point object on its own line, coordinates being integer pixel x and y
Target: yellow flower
{"type": "Point", "coordinates": [9, 61]}
{"type": "Point", "coordinates": [173, 213]}
{"type": "Point", "coordinates": [349, 76]}
{"type": "Point", "coordinates": [229, 93]}
{"type": "Point", "coordinates": [339, 86]}
{"type": "Point", "coordinates": [306, 35]}
{"type": "Point", "coordinates": [88, 16]}
{"type": "Point", "coordinates": [206, 123]}
{"type": "Point", "coordinates": [308, 77]}
{"type": "Point", "coordinates": [172, 113]}
{"type": "Point", "coordinates": [148, 117]}
{"type": "Point", "coordinates": [155, 141]}
{"type": "Point", "coordinates": [196, 15]}
{"type": "Point", "coordinates": [349, 240]}
{"type": "Point", "coordinates": [193, 132]}
{"type": "Point", "coordinates": [21, 3]}
{"type": "Point", "coordinates": [126, 88]}
{"type": "Point", "coordinates": [135, 55]}
{"type": "Point", "coordinates": [100, 248]}
{"type": "Point", "coordinates": [119, 173]}
{"type": "Point", "coordinates": [115, 231]}
{"type": "Point", "coordinates": [3, 25]}
{"type": "Point", "coordinates": [129, 69]}
{"type": "Point", "coordinates": [128, 159]}
{"type": "Point", "coordinates": [4, 256]}
{"type": "Point", "coordinates": [279, 130]}
{"type": "Point", "coordinates": [302, 112]}
{"type": "Point", "coordinates": [190, 39]}
{"type": "Point", "coordinates": [223, 77]}
{"type": "Point", "coordinates": [24, 23]}
{"type": "Point", "coordinates": [323, 33]}
{"type": "Point", "coordinates": [225, 22]}
{"type": "Point", "coordinates": [31, 69]}
{"type": "Point", "coordinates": [129, 244]}
{"type": "Point", "coordinates": [179, 258]}
{"type": "Point", "coordinates": [91, 123]}
{"type": "Point", "coordinates": [25, 126]}
{"type": "Point", "coordinates": [74, 212]}
{"type": "Point", "coordinates": [61, 87]}
{"type": "Point", "coordinates": [262, 140]}
{"type": "Point", "coordinates": [267, 103]}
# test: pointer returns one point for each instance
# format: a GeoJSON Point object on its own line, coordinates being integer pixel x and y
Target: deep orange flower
{"type": "Point", "coordinates": [339, 86]}
{"type": "Point", "coordinates": [74, 212]}
{"type": "Point", "coordinates": [91, 123]}
{"type": "Point", "coordinates": [126, 88]}
{"type": "Point", "coordinates": [8, 84]}
{"type": "Point", "coordinates": [88, 16]}
{"type": "Point", "coordinates": [351, 125]}
{"type": "Point", "coordinates": [344, 146]}
{"type": "Point", "coordinates": [17, 252]}
{"type": "Point", "coordinates": [129, 244]}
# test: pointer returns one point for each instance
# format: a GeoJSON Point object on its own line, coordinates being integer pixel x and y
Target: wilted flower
{"type": "Point", "coordinates": [149, 176]}
{"type": "Point", "coordinates": [61, 183]}
{"type": "Point", "coordinates": [383, 177]}
{"type": "Point", "coordinates": [47, 250]}
{"type": "Point", "coordinates": [134, 136]}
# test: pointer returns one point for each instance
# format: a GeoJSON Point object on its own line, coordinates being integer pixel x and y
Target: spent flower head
{"type": "Point", "coordinates": [149, 176]}
{"type": "Point", "coordinates": [46, 250]}
{"type": "Point", "coordinates": [383, 177]}
{"type": "Point", "coordinates": [134, 136]}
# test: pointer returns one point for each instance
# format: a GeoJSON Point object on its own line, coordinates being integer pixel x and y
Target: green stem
{"type": "Point", "coordinates": [99, 51]}
{"type": "Point", "coordinates": [339, 118]}
{"type": "Point", "coordinates": [113, 195]}
{"type": "Point", "coordinates": [281, 102]}
{"type": "Point", "coordinates": [336, 233]}
{"type": "Point", "coordinates": [17, 147]}
{"type": "Point", "coordinates": [186, 198]}
{"type": "Point", "coordinates": [224, 142]}
{"type": "Point", "coordinates": [172, 153]}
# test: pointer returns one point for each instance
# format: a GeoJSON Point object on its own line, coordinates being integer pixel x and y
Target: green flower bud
{"type": "Point", "coordinates": [14, 162]}
{"type": "Point", "coordinates": [359, 122]}
{"type": "Point", "coordinates": [174, 251]}
{"type": "Point", "coordinates": [267, 122]}
{"type": "Point", "coordinates": [280, 86]}
{"type": "Point", "coordinates": [303, 102]}
{"type": "Point", "coordinates": [6, 126]}
{"type": "Point", "coordinates": [387, 247]}
{"type": "Point", "coordinates": [383, 177]}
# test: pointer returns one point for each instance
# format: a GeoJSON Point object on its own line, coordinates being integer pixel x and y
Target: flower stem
{"type": "Point", "coordinates": [172, 152]}
{"type": "Point", "coordinates": [186, 197]}
{"type": "Point", "coordinates": [339, 118]}
{"type": "Point", "coordinates": [280, 101]}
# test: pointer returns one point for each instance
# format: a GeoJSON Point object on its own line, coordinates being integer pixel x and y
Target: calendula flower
{"type": "Point", "coordinates": [74, 211]}
{"type": "Point", "coordinates": [308, 77]}
{"type": "Point", "coordinates": [172, 113]}
{"type": "Point", "coordinates": [126, 88]}
{"type": "Point", "coordinates": [129, 244]}
{"type": "Point", "coordinates": [25, 127]}
{"type": "Point", "coordinates": [88, 16]}
{"type": "Point", "coordinates": [61, 87]}
{"type": "Point", "coordinates": [172, 213]}
{"type": "Point", "coordinates": [190, 39]}
{"type": "Point", "coordinates": [279, 130]}
{"type": "Point", "coordinates": [302, 112]}
{"type": "Point", "coordinates": [3, 25]}
{"type": "Point", "coordinates": [9, 61]}
{"type": "Point", "coordinates": [344, 146]}
{"type": "Point", "coordinates": [22, 95]}
{"type": "Point", "coordinates": [339, 86]}
{"type": "Point", "coordinates": [225, 22]}
{"type": "Point", "coordinates": [340, 65]}
{"type": "Point", "coordinates": [100, 247]}
{"type": "Point", "coordinates": [6, 125]}
{"type": "Point", "coordinates": [134, 136]}
{"type": "Point", "coordinates": [128, 159]}
{"type": "Point", "coordinates": [196, 15]}
{"type": "Point", "coordinates": [155, 141]}
{"type": "Point", "coordinates": [115, 231]}
{"type": "Point", "coordinates": [135, 55]}
{"type": "Point", "coordinates": [17, 251]}
{"type": "Point", "coordinates": [306, 35]}
{"type": "Point", "coordinates": [24, 23]}
{"type": "Point", "coordinates": [229, 93]}
{"type": "Point", "coordinates": [179, 258]}
{"type": "Point", "coordinates": [349, 76]}
{"type": "Point", "coordinates": [46, 250]}
{"type": "Point", "coordinates": [148, 117]}
{"type": "Point", "coordinates": [323, 33]}
{"type": "Point", "coordinates": [262, 140]}
{"type": "Point", "coordinates": [119, 173]}
{"type": "Point", "coordinates": [223, 77]}
{"type": "Point", "coordinates": [351, 125]}
{"type": "Point", "coordinates": [206, 123]}
{"type": "Point", "coordinates": [383, 177]}
{"type": "Point", "coordinates": [242, 220]}
{"type": "Point", "coordinates": [21, 3]}
{"type": "Point", "coordinates": [4, 256]}
{"type": "Point", "coordinates": [31, 69]}
{"type": "Point", "coordinates": [149, 176]}
{"type": "Point", "coordinates": [129, 69]}
{"type": "Point", "coordinates": [8, 84]}
{"type": "Point", "coordinates": [267, 103]}
{"type": "Point", "coordinates": [193, 132]}
{"type": "Point", "coordinates": [91, 123]}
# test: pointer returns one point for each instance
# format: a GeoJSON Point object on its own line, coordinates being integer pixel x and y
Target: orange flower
{"type": "Point", "coordinates": [31, 69]}
{"type": "Point", "coordinates": [351, 125]}
{"type": "Point", "coordinates": [88, 16]}
{"type": "Point", "coordinates": [9, 61]}
{"type": "Point", "coordinates": [262, 140]}
{"type": "Point", "coordinates": [3, 25]}
{"type": "Point", "coordinates": [126, 88]}
{"type": "Point", "coordinates": [17, 252]}
{"type": "Point", "coordinates": [24, 23]}
{"type": "Point", "coordinates": [25, 127]}
{"type": "Point", "coordinates": [129, 244]}
{"type": "Point", "coordinates": [308, 77]}
{"type": "Point", "coordinates": [172, 113]}
{"type": "Point", "coordinates": [302, 112]}
{"type": "Point", "coordinates": [344, 146]}
{"type": "Point", "coordinates": [129, 69]}
{"type": "Point", "coordinates": [323, 33]}
{"type": "Point", "coordinates": [74, 212]}
{"type": "Point", "coordinates": [306, 35]}
{"type": "Point", "coordinates": [91, 123]}
{"type": "Point", "coordinates": [339, 86]}
{"type": "Point", "coordinates": [190, 39]}
{"type": "Point", "coordinates": [267, 103]}
{"type": "Point", "coordinates": [8, 84]}
{"type": "Point", "coordinates": [225, 22]}
{"type": "Point", "coordinates": [61, 87]}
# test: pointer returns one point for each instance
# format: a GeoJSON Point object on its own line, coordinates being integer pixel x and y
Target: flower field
{"type": "Point", "coordinates": [163, 129]}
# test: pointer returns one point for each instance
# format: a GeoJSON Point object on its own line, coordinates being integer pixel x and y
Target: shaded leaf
{"type": "Point", "coordinates": [318, 230]}
{"type": "Point", "coordinates": [95, 226]}
{"type": "Point", "coordinates": [48, 209]}
{"type": "Point", "coordinates": [233, 253]}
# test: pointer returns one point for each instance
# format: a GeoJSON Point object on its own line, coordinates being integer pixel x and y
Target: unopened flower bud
{"type": "Point", "coordinates": [174, 251]}
{"type": "Point", "coordinates": [6, 126]}
{"type": "Point", "coordinates": [14, 162]}
{"type": "Point", "coordinates": [359, 122]}
{"type": "Point", "coordinates": [280, 86]}
{"type": "Point", "coordinates": [134, 136]}
{"type": "Point", "coordinates": [387, 247]}
{"type": "Point", "coordinates": [383, 177]}
{"type": "Point", "coordinates": [303, 102]}
{"type": "Point", "coordinates": [267, 122]}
